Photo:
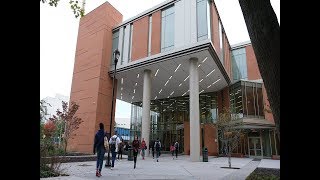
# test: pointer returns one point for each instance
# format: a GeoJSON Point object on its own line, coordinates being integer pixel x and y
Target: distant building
{"type": "Point", "coordinates": [123, 128]}
{"type": "Point", "coordinates": [54, 104]}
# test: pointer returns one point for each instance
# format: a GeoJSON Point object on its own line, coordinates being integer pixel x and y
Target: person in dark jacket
{"type": "Point", "coordinates": [135, 146]}
{"type": "Point", "coordinates": [98, 147]}
{"type": "Point", "coordinates": [157, 146]}
{"type": "Point", "coordinates": [151, 147]}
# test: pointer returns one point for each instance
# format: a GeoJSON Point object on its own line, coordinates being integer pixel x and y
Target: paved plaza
{"type": "Point", "coordinates": [167, 168]}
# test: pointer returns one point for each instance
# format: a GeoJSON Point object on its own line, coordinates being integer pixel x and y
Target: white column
{"type": "Point", "coordinates": [145, 130]}
{"type": "Point", "coordinates": [194, 111]}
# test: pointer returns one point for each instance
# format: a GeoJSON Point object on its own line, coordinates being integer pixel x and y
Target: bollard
{"type": "Point", "coordinates": [205, 155]}
{"type": "Point", "coordinates": [130, 154]}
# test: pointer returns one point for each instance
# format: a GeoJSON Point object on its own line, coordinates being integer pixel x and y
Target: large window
{"type": "Point", "coordinates": [239, 64]}
{"type": "Point", "coordinates": [115, 42]}
{"type": "Point", "coordinates": [202, 25]}
{"type": "Point", "coordinates": [246, 99]}
{"type": "Point", "coordinates": [208, 108]}
{"type": "Point", "coordinates": [130, 43]}
{"type": "Point", "coordinates": [167, 29]}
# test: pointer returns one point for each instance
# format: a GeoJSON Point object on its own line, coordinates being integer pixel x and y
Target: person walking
{"type": "Point", "coordinates": [98, 147]}
{"type": "Point", "coordinates": [151, 147]}
{"type": "Point", "coordinates": [120, 150]}
{"type": "Point", "coordinates": [172, 150]}
{"type": "Point", "coordinates": [176, 147]}
{"type": "Point", "coordinates": [157, 146]}
{"type": "Point", "coordinates": [135, 146]}
{"type": "Point", "coordinates": [143, 148]}
{"type": "Point", "coordinates": [114, 145]}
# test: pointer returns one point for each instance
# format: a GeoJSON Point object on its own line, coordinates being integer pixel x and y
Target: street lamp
{"type": "Point", "coordinates": [116, 54]}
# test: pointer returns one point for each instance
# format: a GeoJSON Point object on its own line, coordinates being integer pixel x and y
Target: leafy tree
{"type": "Point", "coordinates": [228, 131]}
{"type": "Point", "coordinates": [264, 31]}
{"type": "Point", "coordinates": [70, 121]}
{"type": "Point", "coordinates": [74, 5]}
{"type": "Point", "coordinates": [49, 128]}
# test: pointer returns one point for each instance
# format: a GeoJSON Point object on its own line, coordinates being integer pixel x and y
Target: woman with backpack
{"type": "Point", "coordinates": [135, 146]}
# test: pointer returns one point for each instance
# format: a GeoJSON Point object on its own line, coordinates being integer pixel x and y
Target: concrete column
{"type": "Point", "coordinates": [194, 111]}
{"type": "Point", "coordinates": [145, 130]}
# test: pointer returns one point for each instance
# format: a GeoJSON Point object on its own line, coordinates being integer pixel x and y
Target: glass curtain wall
{"type": "Point", "coordinates": [168, 117]}
{"type": "Point", "coordinates": [246, 99]}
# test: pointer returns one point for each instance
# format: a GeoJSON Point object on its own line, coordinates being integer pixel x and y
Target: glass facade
{"type": "Point", "coordinates": [168, 117]}
{"type": "Point", "coordinates": [202, 22]}
{"type": "Point", "coordinates": [167, 29]}
{"type": "Point", "coordinates": [239, 64]}
{"type": "Point", "coordinates": [115, 42]}
{"type": "Point", "coordinates": [130, 43]}
{"type": "Point", "coordinates": [246, 99]}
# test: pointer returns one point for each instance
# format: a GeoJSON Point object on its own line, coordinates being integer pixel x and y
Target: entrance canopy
{"type": "Point", "coordinates": [170, 73]}
{"type": "Point", "coordinates": [255, 123]}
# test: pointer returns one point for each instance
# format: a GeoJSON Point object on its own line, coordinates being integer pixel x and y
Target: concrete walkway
{"type": "Point", "coordinates": [166, 168]}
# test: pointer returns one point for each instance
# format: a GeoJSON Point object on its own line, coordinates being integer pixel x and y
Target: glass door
{"type": "Point", "coordinates": [255, 147]}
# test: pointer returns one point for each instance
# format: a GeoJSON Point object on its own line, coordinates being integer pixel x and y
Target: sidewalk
{"type": "Point", "coordinates": [166, 168]}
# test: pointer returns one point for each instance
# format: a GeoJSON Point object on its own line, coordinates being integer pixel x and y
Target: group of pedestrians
{"type": "Point", "coordinates": [102, 144]}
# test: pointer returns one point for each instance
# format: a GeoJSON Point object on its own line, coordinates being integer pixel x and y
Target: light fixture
{"type": "Point", "coordinates": [132, 97]}
{"type": "Point", "coordinates": [160, 91]}
{"type": "Point", "coordinates": [155, 98]}
{"type": "Point", "coordinates": [138, 76]}
{"type": "Point", "coordinates": [201, 91]}
{"type": "Point", "coordinates": [199, 65]}
{"type": "Point", "coordinates": [136, 84]}
{"type": "Point", "coordinates": [134, 91]}
{"type": "Point", "coordinates": [121, 88]}
{"type": "Point", "coordinates": [171, 93]}
{"type": "Point", "coordinates": [204, 60]}
{"type": "Point", "coordinates": [184, 93]}
{"type": "Point", "coordinates": [186, 78]}
{"type": "Point", "coordinates": [180, 84]}
{"type": "Point", "coordinates": [121, 97]}
{"type": "Point", "coordinates": [156, 73]}
{"type": "Point", "coordinates": [121, 80]}
{"type": "Point", "coordinates": [209, 86]}
{"type": "Point", "coordinates": [168, 96]}
{"type": "Point", "coordinates": [210, 72]}
{"type": "Point", "coordinates": [216, 81]}
{"type": "Point", "coordinates": [166, 83]}
{"type": "Point", "coordinates": [201, 80]}
{"type": "Point", "coordinates": [177, 68]}
{"type": "Point", "coordinates": [170, 77]}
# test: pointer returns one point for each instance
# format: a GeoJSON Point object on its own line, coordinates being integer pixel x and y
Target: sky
{"type": "Point", "coordinates": [59, 31]}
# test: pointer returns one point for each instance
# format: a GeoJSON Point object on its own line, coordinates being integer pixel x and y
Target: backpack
{"type": "Point", "coordinates": [113, 144]}
{"type": "Point", "coordinates": [176, 145]}
{"type": "Point", "coordinates": [106, 143]}
{"type": "Point", "coordinates": [157, 146]}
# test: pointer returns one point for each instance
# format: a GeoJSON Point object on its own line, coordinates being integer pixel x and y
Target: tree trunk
{"type": "Point", "coordinates": [229, 156]}
{"type": "Point", "coordinates": [264, 31]}
{"type": "Point", "coordinates": [65, 146]}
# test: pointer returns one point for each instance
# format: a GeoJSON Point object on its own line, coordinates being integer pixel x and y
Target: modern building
{"type": "Point", "coordinates": [53, 104]}
{"type": "Point", "coordinates": [122, 127]}
{"type": "Point", "coordinates": [178, 71]}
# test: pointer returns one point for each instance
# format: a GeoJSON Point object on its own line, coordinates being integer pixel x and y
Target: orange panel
{"type": "Point", "coordinates": [140, 38]}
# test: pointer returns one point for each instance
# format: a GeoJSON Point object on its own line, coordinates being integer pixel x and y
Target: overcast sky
{"type": "Point", "coordinates": [59, 30]}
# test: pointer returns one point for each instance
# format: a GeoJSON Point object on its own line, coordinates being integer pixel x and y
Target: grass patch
{"type": "Point", "coordinates": [264, 174]}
